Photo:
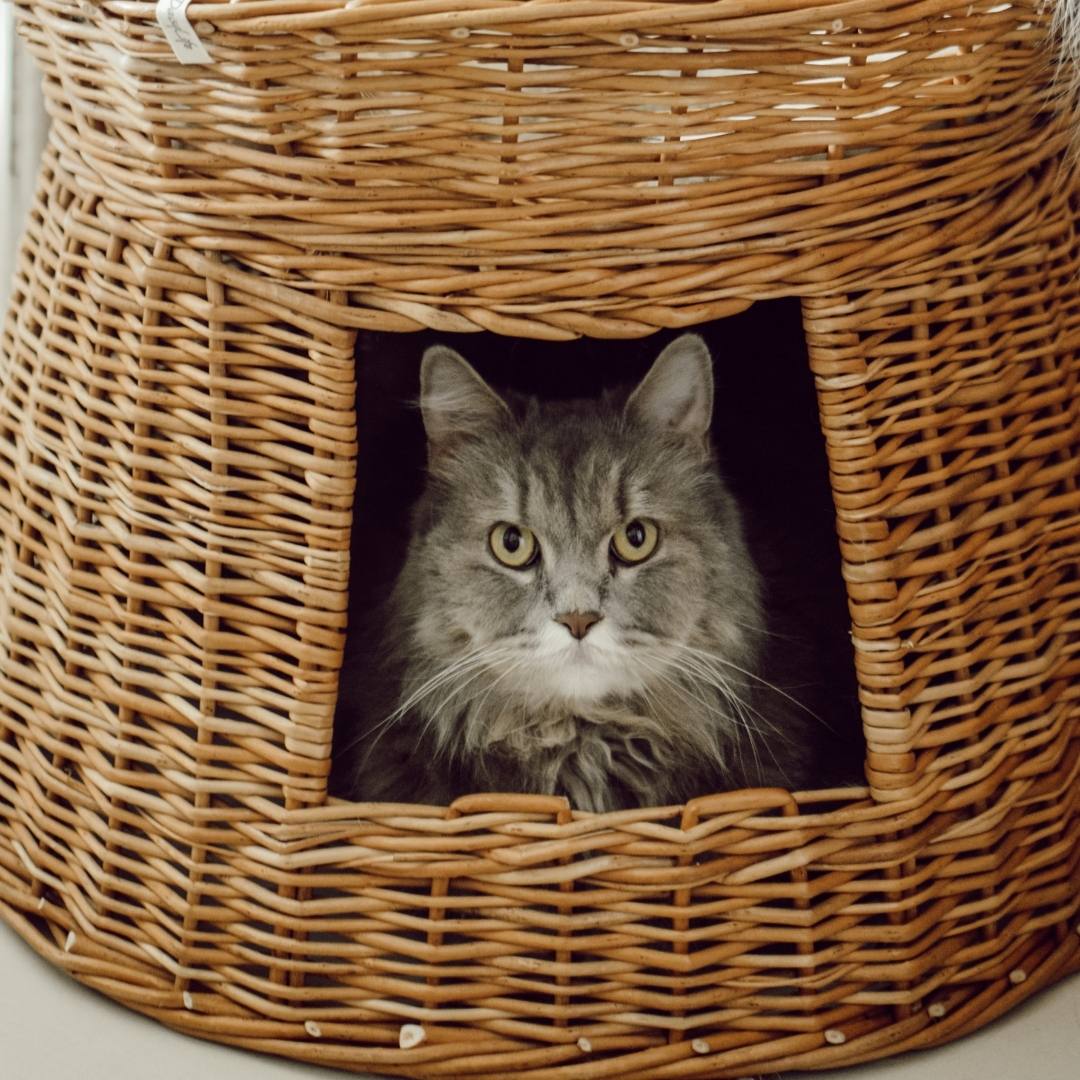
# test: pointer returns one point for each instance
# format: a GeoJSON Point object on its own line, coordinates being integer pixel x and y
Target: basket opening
{"type": "Point", "coordinates": [768, 441]}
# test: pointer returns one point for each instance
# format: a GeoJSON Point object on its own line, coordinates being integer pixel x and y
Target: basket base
{"type": "Point", "coordinates": [1044, 958]}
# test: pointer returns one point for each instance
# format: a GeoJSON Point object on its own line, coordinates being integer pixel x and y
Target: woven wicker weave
{"type": "Point", "coordinates": [177, 454]}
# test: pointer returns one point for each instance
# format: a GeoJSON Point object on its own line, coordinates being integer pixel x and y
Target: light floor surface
{"type": "Point", "coordinates": [51, 1028]}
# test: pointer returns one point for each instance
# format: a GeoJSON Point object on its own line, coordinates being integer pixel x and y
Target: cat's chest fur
{"type": "Point", "coordinates": [601, 756]}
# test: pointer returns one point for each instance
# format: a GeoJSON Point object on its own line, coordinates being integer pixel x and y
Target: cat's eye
{"type": "Point", "coordinates": [513, 545]}
{"type": "Point", "coordinates": [635, 541]}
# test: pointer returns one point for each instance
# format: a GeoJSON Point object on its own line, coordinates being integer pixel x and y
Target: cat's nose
{"type": "Point", "coordinates": [579, 622]}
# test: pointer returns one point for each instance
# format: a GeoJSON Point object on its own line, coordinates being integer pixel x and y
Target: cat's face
{"type": "Point", "coordinates": [571, 553]}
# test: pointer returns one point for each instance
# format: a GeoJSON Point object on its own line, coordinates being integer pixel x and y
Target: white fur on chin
{"type": "Point", "coordinates": [579, 673]}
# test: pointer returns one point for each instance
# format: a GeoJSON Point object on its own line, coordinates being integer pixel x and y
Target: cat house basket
{"type": "Point", "coordinates": [177, 459]}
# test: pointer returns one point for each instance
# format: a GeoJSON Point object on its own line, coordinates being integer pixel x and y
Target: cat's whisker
{"type": "Point", "coordinates": [725, 685]}
{"type": "Point", "coordinates": [478, 657]}
{"type": "Point", "coordinates": [699, 672]}
{"type": "Point", "coordinates": [650, 699]}
{"type": "Point", "coordinates": [473, 661]}
{"type": "Point", "coordinates": [518, 703]}
{"type": "Point", "coordinates": [450, 703]}
{"type": "Point", "coordinates": [759, 628]}
{"type": "Point", "coordinates": [754, 734]}
{"type": "Point", "coordinates": [479, 699]}
{"type": "Point", "coordinates": [715, 658]}
{"type": "Point", "coordinates": [696, 672]}
{"type": "Point", "coordinates": [684, 692]}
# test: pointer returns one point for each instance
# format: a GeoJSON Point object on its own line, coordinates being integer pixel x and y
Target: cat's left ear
{"type": "Point", "coordinates": [677, 393]}
{"type": "Point", "coordinates": [454, 399]}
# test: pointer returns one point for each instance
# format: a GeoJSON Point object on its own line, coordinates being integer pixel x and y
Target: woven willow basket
{"type": "Point", "coordinates": [177, 453]}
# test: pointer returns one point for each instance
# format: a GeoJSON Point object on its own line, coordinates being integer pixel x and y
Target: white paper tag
{"type": "Point", "coordinates": [173, 20]}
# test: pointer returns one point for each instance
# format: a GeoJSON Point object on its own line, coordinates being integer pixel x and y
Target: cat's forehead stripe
{"type": "Point", "coordinates": [570, 480]}
{"type": "Point", "coordinates": [504, 502]}
{"type": "Point", "coordinates": [522, 492]}
{"type": "Point", "coordinates": [621, 494]}
{"type": "Point", "coordinates": [561, 485]}
{"type": "Point", "coordinates": [574, 494]}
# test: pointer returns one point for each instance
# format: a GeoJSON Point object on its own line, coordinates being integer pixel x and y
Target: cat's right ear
{"type": "Point", "coordinates": [454, 400]}
{"type": "Point", "coordinates": [677, 393]}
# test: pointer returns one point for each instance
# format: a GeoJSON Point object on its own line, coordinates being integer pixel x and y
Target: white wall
{"type": "Point", "coordinates": [23, 129]}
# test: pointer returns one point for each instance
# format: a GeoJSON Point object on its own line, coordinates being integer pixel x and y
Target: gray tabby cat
{"type": "Point", "coordinates": [578, 612]}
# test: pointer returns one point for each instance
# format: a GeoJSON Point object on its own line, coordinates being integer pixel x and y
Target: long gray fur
{"type": "Point", "coordinates": [482, 690]}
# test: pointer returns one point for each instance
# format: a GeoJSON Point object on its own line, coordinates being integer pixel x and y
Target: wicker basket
{"type": "Point", "coordinates": [177, 452]}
